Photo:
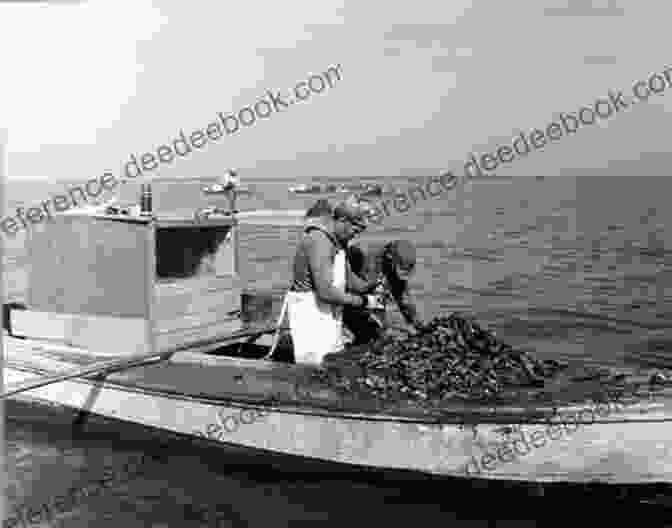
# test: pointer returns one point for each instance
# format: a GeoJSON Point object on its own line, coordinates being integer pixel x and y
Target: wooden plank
{"type": "Point", "coordinates": [187, 321]}
{"type": "Point", "coordinates": [170, 339]}
{"type": "Point", "coordinates": [195, 285]}
{"type": "Point", "coordinates": [196, 296]}
{"type": "Point", "coordinates": [105, 335]}
{"type": "Point", "coordinates": [191, 304]}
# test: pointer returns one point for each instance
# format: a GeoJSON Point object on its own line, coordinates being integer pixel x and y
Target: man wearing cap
{"type": "Point", "coordinates": [318, 294]}
{"type": "Point", "coordinates": [391, 268]}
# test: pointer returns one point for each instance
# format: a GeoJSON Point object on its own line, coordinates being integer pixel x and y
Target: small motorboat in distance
{"type": "Point", "coordinates": [306, 189]}
{"type": "Point", "coordinates": [363, 189]}
{"type": "Point", "coordinates": [227, 183]}
{"type": "Point", "coordinates": [371, 189]}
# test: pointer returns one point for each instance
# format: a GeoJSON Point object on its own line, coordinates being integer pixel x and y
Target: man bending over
{"type": "Point", "coordinates": [390, 269]}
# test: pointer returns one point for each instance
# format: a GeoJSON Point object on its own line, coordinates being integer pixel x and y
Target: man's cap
{"type": "Point", "coordinates": [401, 253]}
{"type": "Point", "coordinates": [351, 209]}
{"type": "Point", "coordinates": [230, 178]}
{"type": "Point", "coordinates": [320, 208]}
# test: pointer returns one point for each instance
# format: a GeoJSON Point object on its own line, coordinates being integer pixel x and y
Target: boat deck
{"type": "Point", "coordinates": [226, 374]}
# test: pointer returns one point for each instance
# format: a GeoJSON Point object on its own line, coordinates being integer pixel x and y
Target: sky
{"type": "Point", "coordinates": [425, 83]}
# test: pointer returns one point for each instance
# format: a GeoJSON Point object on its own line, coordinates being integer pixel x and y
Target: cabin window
{"type": "Point", "coordinates": [183, 252]}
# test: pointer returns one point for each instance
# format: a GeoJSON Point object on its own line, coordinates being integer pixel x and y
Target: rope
{"type": "Point", "coordinates": [276, 335]}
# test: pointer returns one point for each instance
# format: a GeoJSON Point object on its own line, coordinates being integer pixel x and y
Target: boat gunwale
{"type": "Point", "coordinates": [456, 413]}
{"type": "Point", "coordinates": [471, 417]}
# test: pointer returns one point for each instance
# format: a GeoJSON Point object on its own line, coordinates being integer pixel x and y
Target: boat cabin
{"type": "Point", "coordinates": [114, 281]}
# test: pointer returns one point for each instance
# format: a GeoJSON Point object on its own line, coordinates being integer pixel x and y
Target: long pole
{"type": "Point", "coordinates": [129, 362]}
{"type": "Point", "coordinates": [98, 368]}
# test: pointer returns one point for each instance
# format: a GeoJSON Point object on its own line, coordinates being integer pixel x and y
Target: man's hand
{"type": "Point", "coordinates": [405, 330]}
{"type": "Point", "coordinates": [374, 302]}
{"type": "Point", "coordinates": [419, 326]}
{"type": "Point", "coordinates": [411, 330]}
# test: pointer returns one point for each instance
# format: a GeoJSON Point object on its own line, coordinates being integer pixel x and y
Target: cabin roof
{"type": "Point", "coordinates": [177, 218]}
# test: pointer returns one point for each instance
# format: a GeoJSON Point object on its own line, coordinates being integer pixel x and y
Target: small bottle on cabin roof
{"type": "Point", "coordinates": [146, 200]}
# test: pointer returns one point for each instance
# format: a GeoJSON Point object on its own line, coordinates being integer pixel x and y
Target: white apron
{"type": "Point", "coordinates": [317, 327]}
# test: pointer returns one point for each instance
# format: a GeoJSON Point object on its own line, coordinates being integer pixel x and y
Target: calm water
{"type": "Point", "coordinates": [566, 266]}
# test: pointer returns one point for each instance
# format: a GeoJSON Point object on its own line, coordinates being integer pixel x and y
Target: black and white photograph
{"type": "Point", "coordinates": [335, 263]}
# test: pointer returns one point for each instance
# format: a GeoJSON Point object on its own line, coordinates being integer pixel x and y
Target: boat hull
{"type": "Point", "coordinates": [631, 444]}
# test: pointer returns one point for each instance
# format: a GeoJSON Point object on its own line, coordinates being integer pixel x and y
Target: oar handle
{"type": "Point", "coordinates": [98, 369]}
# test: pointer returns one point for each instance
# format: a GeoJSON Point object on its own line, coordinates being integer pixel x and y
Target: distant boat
{"type": "Point", "coordinates": [217, 188]}
{"type": "Point", "coordinates": [306, 189]}
{"type": "Point", "coordinates": [225, 185]}
{"type": "Point", "coordinates": [366, 189]}
{"type": "Point", "coordinates": [372, 190]}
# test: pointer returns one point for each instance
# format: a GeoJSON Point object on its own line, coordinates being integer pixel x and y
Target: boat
{"type": "Point", "coordinates": [372, 189]}
{"type": "Point", "coordinates": [306, 189]}
{"type": "Point", "coordinates": [218, 188]}
{"type": "Point", "coordinates": [363, 189]}
{"type": "Point", "coordinates": [121, 321]}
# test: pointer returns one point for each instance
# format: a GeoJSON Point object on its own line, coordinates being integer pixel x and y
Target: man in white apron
{"type": "Point", "coordinates": [318, 292]}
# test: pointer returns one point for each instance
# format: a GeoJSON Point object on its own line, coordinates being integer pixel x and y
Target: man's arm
{"type": "Point", "coordinates": [405, 301]}
{"type": "Point", "coordinates": [357, 268]}
{"type": "Point", "coordinates": [358, 285]}
{"type": "Point", "coordinates": [320, 258]}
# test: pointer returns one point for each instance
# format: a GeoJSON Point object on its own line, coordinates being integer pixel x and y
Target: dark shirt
{"type": "Point", "coordinates": [369, 266]}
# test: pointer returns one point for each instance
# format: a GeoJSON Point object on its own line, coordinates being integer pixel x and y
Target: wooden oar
{"type": "Point", "coordinates": [126, 363]}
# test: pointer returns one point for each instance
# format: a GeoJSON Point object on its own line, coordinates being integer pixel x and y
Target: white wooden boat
{"type": "Point", "coordinates": [214, 396]}
{"type": "Point", "coordinates": [114, 289]}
